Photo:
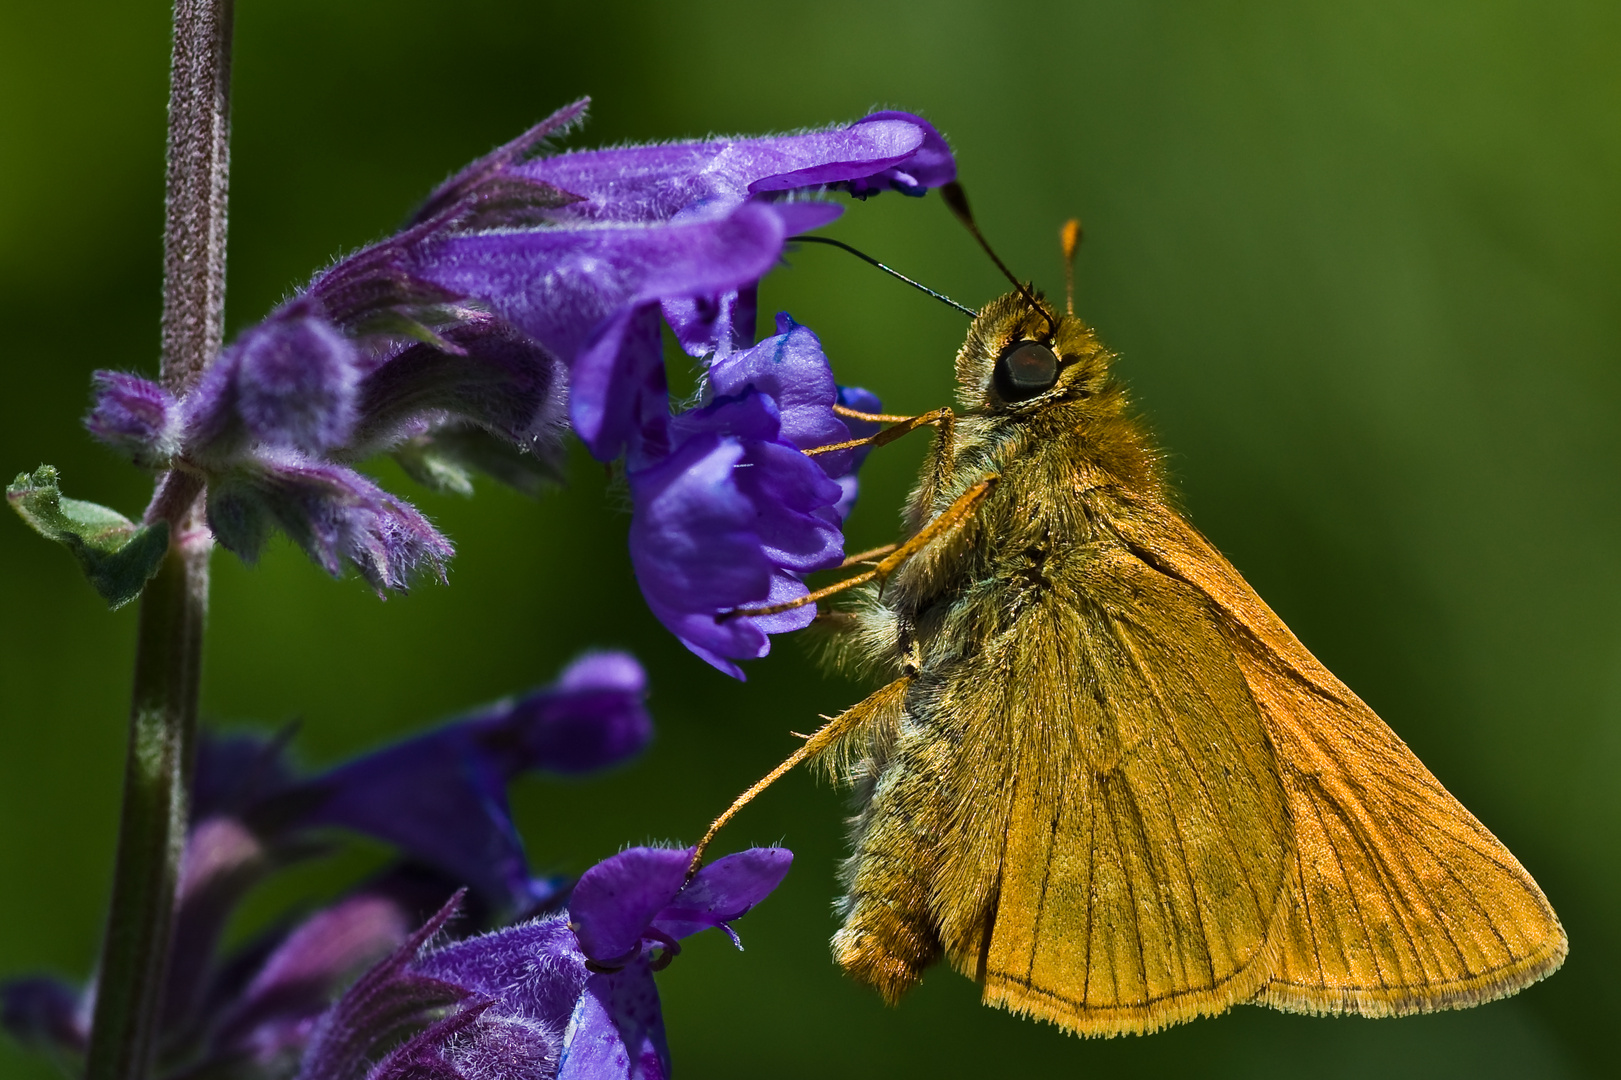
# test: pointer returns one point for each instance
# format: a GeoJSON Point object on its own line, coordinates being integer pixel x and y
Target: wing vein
{"type": "Point", "coordinates": [1350, 893]}
{"type": "Point", "coordinates": [1155, 692]}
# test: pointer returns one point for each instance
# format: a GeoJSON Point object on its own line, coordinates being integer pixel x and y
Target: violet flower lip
{"type": "Point", "coordinates": [736, 513]}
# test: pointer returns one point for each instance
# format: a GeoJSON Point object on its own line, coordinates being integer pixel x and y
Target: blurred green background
{"type": "Point", "coordinates": [1363, 263]}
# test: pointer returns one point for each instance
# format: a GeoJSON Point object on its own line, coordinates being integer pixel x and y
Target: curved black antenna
{"type": "Point", "coordinates": [863, 256]}
{"type": "Point", "coordinates": [957, 199]}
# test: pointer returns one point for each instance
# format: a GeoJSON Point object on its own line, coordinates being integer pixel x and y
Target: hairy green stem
{"type": "Point", "coordinates": [152, 829]}
{"type": "Point", "coordinates": [168, 651]}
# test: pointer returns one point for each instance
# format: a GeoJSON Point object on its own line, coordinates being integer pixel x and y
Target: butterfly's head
{"type": "Point", "coordinates": [1019, 360]}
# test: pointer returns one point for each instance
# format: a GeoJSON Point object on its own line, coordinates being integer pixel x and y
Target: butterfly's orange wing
{"type": "Point", "coordinates": [1402, 901]}
{"type": "Point", "coordinates": [1141, 840]}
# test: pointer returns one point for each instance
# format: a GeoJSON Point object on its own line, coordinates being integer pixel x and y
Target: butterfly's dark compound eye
{"type": "Point", "coordinates": [1025, 371]}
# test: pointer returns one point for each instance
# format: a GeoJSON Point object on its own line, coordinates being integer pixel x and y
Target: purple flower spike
{"type": "Point", "coordinates": [696, 231]}
{"type": "Point", "coordinates": [496, 1007]}
{"type": "Point", "coordinates": [136, 417]}
{"type": "Point", "coordinates": [529, 286]}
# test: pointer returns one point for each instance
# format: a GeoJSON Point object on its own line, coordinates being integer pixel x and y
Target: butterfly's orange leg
{"type": "Point", "coordinates": [818, 742]}
{"type": "Point", "coordinates": [899, 425]}
{"type": "Point", "coordinates": [866, 556]}
{"type": "Point", "coordinates": [840, 621]}
{"type": "Point", "coordinates": [823, 738]}
{"type": "Point", "coordinates": [945, 523]}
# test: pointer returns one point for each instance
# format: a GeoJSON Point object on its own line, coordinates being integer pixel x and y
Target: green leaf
{"type": "Point", "coordinates": [117, 555]}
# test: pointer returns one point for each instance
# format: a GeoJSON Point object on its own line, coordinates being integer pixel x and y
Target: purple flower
{"type": "Point", "coordinates": [527, 288]}
{"type": "Point", "coordinates": [737, 513]}
{"type": "Point", "coordinates": [334, 513]}
{"type": "Point", "coordinates": [439, 799]}
{"type": "Point", "coordinates": [684, 231]}
{"type": "Point", "coordinates": [569, 997]}
{"type": "Point", "coordinates": [442, 797]}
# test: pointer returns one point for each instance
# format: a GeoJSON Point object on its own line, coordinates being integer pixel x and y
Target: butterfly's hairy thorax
{"type": "Point", "coordinates": [1064, 465]}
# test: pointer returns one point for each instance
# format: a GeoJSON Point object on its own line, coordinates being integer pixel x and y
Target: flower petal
{"type": "Point", "coordinates": [441, 797]}
{"type": "Point", "coordinates": [695, 551]}
{"type": "Point", "coordinates": [929, 166]}
{"type": "Point", "coordinates": [46, 1014]}
{"type": "Point", "coordinates": [787, 489]}
{"type": "Point", "coordinates": [534, 969]}
{"type": "Point", "coordinates": [330, 511]}
{"type": "Point", "coordinates": [854, 397]}
{"type": "Point", "coordinates": [618, 399]}
{"type": "Point", "coordinates": [592, 718]}
{"type": "Point", "coordinates": [614, 901]}
{"type": "Point", "coordinates": [223, 859]}
{"type": "Point", "coordinates": [655, 183]}
{"type": "Point", "coordinates": [617, 1030]}
{"type": "Point", "coordinates": [497, 378]}
{"type": "Point", "coordinates": [724, 890]}
{"type": "Point", "coordinates": [275, 1013]}
{"type": "Point", "coordinates": [573, 292]}
{"type": "Point", "coordinates": [793, 371]}
{"type": "Point", "coordinates": [136, 417]}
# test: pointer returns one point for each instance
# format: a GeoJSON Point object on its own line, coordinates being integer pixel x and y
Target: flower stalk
{"type": "Point", "coordinates": [163, 713]}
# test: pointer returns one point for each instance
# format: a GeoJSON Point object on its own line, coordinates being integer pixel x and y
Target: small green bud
{"type": "Point", "coordinates": [117, 555]}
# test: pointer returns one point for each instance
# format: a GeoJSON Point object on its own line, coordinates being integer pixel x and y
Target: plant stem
{"type": "Point", "coordinates": [152, 830]}
{"type": "Point", "coordinates": [194, 189]}
{"type": "Point", "coordinates": [168, 651]}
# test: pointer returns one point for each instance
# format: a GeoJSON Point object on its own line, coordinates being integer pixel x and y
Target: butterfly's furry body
{"type": "Point", "coordinates": [1107, 782]}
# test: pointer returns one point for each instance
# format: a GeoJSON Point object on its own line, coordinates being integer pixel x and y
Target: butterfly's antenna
{"type": "Point", "coordinates": [970, 312]}
{"type": "Point", "coordinates": [1070, 237]}
{"type": "Point", "coordinates": [957, 199]}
